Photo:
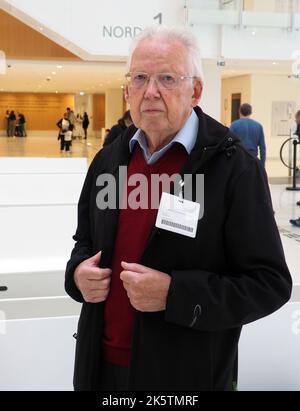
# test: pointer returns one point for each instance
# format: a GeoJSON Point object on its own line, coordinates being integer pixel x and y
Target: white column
{"type": "Point", "coordinates": [113, 106]}
{"type": "Point", "coordinates": [211, 97]}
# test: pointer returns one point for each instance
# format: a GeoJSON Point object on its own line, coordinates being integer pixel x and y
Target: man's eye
{"type": "Point", "coordinates": [140, 77]}
{"type": "Point", "coordinates": [167, 78]}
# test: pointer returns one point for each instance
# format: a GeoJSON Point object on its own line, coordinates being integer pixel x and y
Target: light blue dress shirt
{"type": "Point", "coordinates": [187, 136]}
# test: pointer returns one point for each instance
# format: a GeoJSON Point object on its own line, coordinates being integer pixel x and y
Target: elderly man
{"type": "Point", "coordinates": [164, 301]}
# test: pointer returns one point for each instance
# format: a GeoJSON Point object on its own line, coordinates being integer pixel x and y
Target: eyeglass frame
{"type": "Point", "coordinates": [175, 75]}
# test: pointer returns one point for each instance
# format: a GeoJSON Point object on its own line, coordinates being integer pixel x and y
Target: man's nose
{"type": "Point", "coordinates": [152, 90]}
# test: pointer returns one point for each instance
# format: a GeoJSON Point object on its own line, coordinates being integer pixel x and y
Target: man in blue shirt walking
{"type": "Point", "coordinates": [250, 132]}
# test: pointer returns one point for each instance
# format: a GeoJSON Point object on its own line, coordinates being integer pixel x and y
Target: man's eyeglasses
{"type": "Point", "coordinates": [167, 81]}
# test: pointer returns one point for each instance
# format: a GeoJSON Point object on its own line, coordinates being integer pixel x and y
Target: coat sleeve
{"type": "Point", "coordinates": [83, 248]}
{"type": "Point", "coordinates": [258, 281]}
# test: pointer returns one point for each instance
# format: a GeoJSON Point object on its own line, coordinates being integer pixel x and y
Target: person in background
{"type": "Point", "coordinates": [18, 127]}
{"type": "Point", "coordinates": [21, 126]}
{"type": "Point", "coordinates": [85, 124]}
{"type": "Point", "coordinates": [163, 300]}
{"type": "Point", "coordinates": [78, 132]}
{"type": "Point", "coordinates": [64, 125]}
{"type": "Point", "coordinates": [250, 132]}
{"type": "Point", "coordinates": [118, 129]}
{"type": "Point", "coordinates": [11, 123]}
{"type": "Point", "coordinates": [7, 122]}
{"type": "Point", "coordinates": [71, 116]}
{"type": "Point", "coordinates": [68, 141]}
{"type": "Point", "coordinates": [296, 222]}
{"type": "Point", "coordinates": [23, 120]}
{"type": "Point", "coordinates": [297, 120]}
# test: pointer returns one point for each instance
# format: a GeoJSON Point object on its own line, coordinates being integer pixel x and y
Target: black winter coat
{"type": "Point", "coordinates": [114, 133]}
{"type": "Point", "coordinates": [231, 274]}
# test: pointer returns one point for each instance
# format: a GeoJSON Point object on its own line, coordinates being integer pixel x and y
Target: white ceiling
{"type": "Point", "coordinates": [267, 67]}
{"type": "Point", "coordinates": [73, 77]}
{"type": "Point", "coordinates": [96, 77]}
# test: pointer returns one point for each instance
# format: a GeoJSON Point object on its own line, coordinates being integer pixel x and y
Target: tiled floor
{"type": "Point", "coordinates": [47, 146]}
{"type": "Point", "coordinates": [284, 201]}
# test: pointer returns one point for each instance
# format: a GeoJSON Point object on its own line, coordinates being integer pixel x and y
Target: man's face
{"type": "Point", "coordinates": [155, 110]}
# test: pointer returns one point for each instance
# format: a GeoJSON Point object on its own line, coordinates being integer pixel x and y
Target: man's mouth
{"type": "Point", "coordinates": [152, 110]}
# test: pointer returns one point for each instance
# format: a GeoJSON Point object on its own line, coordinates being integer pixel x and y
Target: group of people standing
{"type": "Point", "coordinates": [71, 126]}
{"type": "Point", "coordinates": [15, 124]}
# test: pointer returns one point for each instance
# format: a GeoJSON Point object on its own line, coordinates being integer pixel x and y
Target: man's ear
{"type": "Point", "coordinates": [197, 88]}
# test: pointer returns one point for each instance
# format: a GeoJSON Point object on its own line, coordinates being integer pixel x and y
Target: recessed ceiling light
{"type": "Point", "coordinates": [274, 63]}
{"type": "Point", "coordinates": [81, 93]}
{"type": "Point", "coordinates": [54, 72]}
{"type": "Point", "coordinates": [59, 67]}
{"type": "Point", "coordinates": [253, 33]}
{"type": "Point", "coordinates": [41, 28]}
{"type": "Point", "coordinates": [56, 92]}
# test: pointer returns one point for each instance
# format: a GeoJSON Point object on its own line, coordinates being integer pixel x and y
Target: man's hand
{"type": "Point", "coordinates": [93, 282]}
{"type": "Point", "coordinates": [147, 289]}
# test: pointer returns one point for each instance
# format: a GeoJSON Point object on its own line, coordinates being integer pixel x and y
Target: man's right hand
{"type": "Point", "coordinates": [93, 282]}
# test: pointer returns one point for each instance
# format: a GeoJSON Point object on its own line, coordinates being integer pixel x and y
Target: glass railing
{"type": "Point", "coordinates": [263, 13]}
{"type": "Point", "coordinates": [259, 6]}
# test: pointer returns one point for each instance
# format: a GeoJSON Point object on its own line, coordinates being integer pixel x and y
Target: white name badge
{"type": "Point", "coordinates": [178, 215]}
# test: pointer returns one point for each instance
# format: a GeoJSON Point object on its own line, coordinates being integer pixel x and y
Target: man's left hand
{"type": "Point", "coordinates": [147, 289]}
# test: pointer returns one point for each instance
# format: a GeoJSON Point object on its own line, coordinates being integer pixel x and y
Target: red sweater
{"type": "Point", "coordinates": [134, 228]}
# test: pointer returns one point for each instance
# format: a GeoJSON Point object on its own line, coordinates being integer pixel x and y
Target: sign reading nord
{"type": "Point", "coordinates": [120, 31]}
{"type": "Point", "coordinates": [109, 26]}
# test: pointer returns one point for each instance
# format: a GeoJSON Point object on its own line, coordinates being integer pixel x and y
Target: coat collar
{"type": "Point", "coordinates": [212, 138]}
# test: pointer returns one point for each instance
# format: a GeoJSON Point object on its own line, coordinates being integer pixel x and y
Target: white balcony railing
{"type": "Point", "coordinates": [243, 13]}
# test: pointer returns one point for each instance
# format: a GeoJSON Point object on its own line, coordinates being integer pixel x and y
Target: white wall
{"type": "Point", "coordinates": [234, 85]}
{"type": "Point", "coordinates": [264, 90]}
{"type": "Point", "coordinates": [210, 101]}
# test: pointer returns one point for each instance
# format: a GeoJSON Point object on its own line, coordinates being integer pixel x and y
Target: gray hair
{"type": "Point", "coordinates": [183, 36]}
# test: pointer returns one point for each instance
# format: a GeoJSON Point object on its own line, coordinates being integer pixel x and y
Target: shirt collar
{"type": "Point", "coordinates": [186, 136]}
